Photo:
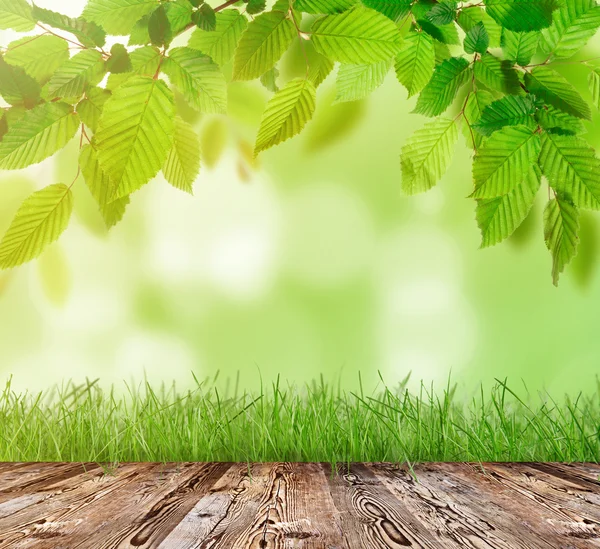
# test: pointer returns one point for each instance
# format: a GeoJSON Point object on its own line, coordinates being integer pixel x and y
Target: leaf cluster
{"type": "Point", "coordinates": [493, 64]}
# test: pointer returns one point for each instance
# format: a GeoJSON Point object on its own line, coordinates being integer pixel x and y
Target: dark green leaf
{"type": "Point", "coordinates": [205, 18]}
{"type": "Point", "coordinates": [159, 27]}
{"type": "Point", "coordinates": [17, 87]}
{"type": "Point", "coordinates": [477, 39]}
{"type": "Point", "coordinates": [443, 13]}
{"type": "Point", "coordinates": [119, 60]}
{"type": "Point", "coordinates": [521, 15]}
{"type": "Point", "coordinates": [497, 74]}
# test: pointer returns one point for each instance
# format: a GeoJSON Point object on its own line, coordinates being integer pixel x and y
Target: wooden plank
{"type": "Point", "coordinates": [508, 507]}
{"type": "Point", "coordinates": [285, 505]}
{"type": "Point", "coordinates": [60, 502]}
{"type": "Point", "coordinates": [563, 514]}
{"type": "Point", "coordinates": [139, 513]}
{"type": "Point", "coordinates": [371, 516]}
{"type": "Point", "coordinates": [452, 524]}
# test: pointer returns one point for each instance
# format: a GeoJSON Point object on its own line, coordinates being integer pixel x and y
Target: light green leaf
{"type": "Point", "coordinates": [474, 108]}
{"type": "Point", "coordinates": [16, 15]}
{"type": "Point", "coordinates": [135, 133]}
{"type": "Point", "coordinates": [594, 86]}
{"type": "Point", "coordinates": [199, 79]}
{"type": "Point", "coordinates": [117, 16]}
{"type": "Point", "coordinates": [504, 160]}
{"type": "Point", "coordinates": [320, 68]}
{"type": "Point", "coordinates": [471, 16]}
{"type": "Point", "coordinates": [360, 35]}
{"type": "Point", "coordinates": [145, 61]}
{"type": "Point", "coordinates": [511, 110]}
{"type": "Point", "coordinates": [555, 90]}
{"type": "Point", "coordinates": [415, 62]}
{"type": "Point", "coordinates": [426, 155]}
{"type": "Point", "coordinates": [90, 108]}
{"type": "Point", "coordinates": [286, 114]}
{"type": "Point", "coordinates": [39, 222]}
{"type": "Point", "coordinates": [71, 79]}
{"type": "Point", "coordinates": [520, 47]}
{"type": "Point", "coordinates": [262, 45]}
{"type": "Point", "coordinates": [17, 87]}
{"type": "Point", "coordinates": [477, 39]}
{"type": "Point", "coordinates": [87, 33]}
{"type": "Point", "coordinates": [356, 82]}
{"type": "Point", "coordinates": [183, 163]}
{"type": "Point", "coordinates": [39, 134]}
{"type": "Point", "coordinates": [39, 57]}
{"type": "Point", "coordinates": [521, 15]}
{"type": "Point", "coordinates": [572, 167]}
{"type": "Point", "coordinates": [555, 121]}
{"type": "Point", "coordinates": [269, 80]}
{"type": "Point", "coordinates": [101, 187]}
{"type": "Point", "coordinates": [323, 6]}
{"type": "Point", "coordinates": [561, 227]}
{"type": "Point", "coordinates": [574, 23]}
{"type": "Point", "coordinates": [496, 74]}
{"type": "Point", "coordinates": [499, 217]}
{"type": "Point", "coordinates": [440, 92]}
{"type": "Point", "coordinates": [396, 10]}
{"type": "Point", "coordinates": [220, 44]}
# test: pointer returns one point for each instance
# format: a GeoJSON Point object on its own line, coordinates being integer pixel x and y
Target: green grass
{"type": "Point", "coordinates": [317, 422]}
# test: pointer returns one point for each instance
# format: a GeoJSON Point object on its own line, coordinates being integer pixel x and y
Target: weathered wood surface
{"type": "Point", "coordinates": [299, 506]}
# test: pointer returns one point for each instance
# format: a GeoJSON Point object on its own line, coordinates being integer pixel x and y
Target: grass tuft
{"type": "Point", "coordinates": [316, 422]}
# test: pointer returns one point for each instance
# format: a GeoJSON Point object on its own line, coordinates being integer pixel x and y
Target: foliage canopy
{"type": "Point", "coordinates": [494, 64]}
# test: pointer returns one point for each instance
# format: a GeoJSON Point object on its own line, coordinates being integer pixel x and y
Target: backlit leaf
{"type": "Point", "coordinates": [117, 16]}
{"type": "Point", "coordinates": [561, 227]}
{"type": "Point", "coordinates": [38, 57]}
{"type": "Point", "coordinates": [16, 15]}
{"type": "Point", "coordinates": [183, 163]}
{"type": "Point", "coordinates": [220, 44]}
{"type": "Point", "coordinates": [356, 82]}
{"type": "Point", "coordinates": [71, 79]}
{"type": "Point", "coordinates": [415, 62]}
{"type": "Point", "coordinates": [521, 15]}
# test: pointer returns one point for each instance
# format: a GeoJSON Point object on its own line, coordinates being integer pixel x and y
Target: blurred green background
{"type": "Point", "coordinates": [309, 262]}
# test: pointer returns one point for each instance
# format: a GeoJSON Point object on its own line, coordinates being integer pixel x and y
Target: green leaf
{"type": "Point", "coordinates": [396, 10]}
{"type": "Point", "coordinates": [117, 16]}
{"type": "Point", "coordinates": [474, 108]}
{"type": "Point", "coordinates": [39, 134]}
{"type": "Point", "coordinates": [320, 68]}
{"type": "Point", "coordinates": [555, 121]}
{"type": "Point", "coordinates": [100, 187]}
{"type": "Point", "coordinates": [499, 217]}
{"type": "Point", "coordinates": [135, 133]}
{"type": "Point", "coordinates": [594, 86]}
{"type": "Point", "coordinates": [90, 108]}
{"type": "Point", "coordinates": [159, 27]}
{"type": "Point", "coordinates": [510, 110]}
{"type": "Point", "coordinates": [323, 6]}
{"type": "Point", "coordinates": [199, 79]}
{"type": "Point", "coordinates": [205, 18]}
{"type": "Point", "coordinates": [520, 47]}
{"type": "Point", "coordinates": [358, 36]}
{"type": "Point", "coordinates": [286, 114]}
{"type": "Point", "coordinates": [16, 15]}
{"type": "Point", "coordinates": [441, 90]}
{"type": "Point", "coordinates": [555, 90]}
{"type": "Point", "coordinates": [89, 34]}
{"type": "Point", "coordinates": [262, 44]}
{"type": "Point", "coordinates": [496, 74]}
{"type": "Point", "coordinates": [446, 34]}
{"type": "Point", "coordinates": [39, 222]}
{"type": "Point", "coordinates": [220, 44]}
{"type": "Point", "coordinates": [72, 78]}
{"type": "Point", "coordinates": [477, 39]}
{"type": "Point", "coordinates": [119, 60]}
{"type": "Point", "coordinates": [415, 62]}
{"type": "Point", "coordinates": [356, 82]}
{"type": "Point", "coordinates": [145, 61]}
{"type": "Point", "coordinates": [572, 167]}
{"type": "Point", "coordinates": [574, 23]}
{"type": "Point", "coordinates": [442, 13]}
{"type": "Point", "coordinates": [17, 87]}
{"type": "Point", "coordinates": [471, 16]}
{"type": "Point", "coordinates": [561, 227]}
{"type": "Point", "coordinates": [255, 6]}
{"type": "Point", "coordinates": [39, 57]}
{"type": "Point", "coordinates": [183, 163]}
{"type": "Point", "coordinates": [521, 15]}
{"type": "Point", "coordinates": [269, 80]}
{"type": "Point", "coordinates": [504, 160]}
{"type": "Point", "coordinates": [426, 155]}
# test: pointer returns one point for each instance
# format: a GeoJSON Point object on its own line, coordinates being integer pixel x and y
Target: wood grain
{"type": "Point", "coordinates": [299, 506]}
